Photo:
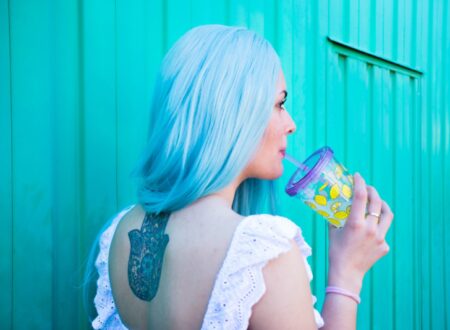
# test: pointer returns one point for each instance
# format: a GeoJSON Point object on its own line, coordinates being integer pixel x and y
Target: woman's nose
{"type": "Point", "coordinates": [291, 127]}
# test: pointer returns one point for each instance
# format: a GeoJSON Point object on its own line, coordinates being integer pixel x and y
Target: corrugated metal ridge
{"type": "Point", "coordinates": [352, 51]}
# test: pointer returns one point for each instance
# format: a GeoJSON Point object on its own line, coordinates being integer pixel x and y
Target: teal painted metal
{"type": "Point", "coordinates": [368, 78]}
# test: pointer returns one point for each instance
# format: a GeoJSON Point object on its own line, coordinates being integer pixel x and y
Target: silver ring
{"type": "Point", "coordinates": [377, 215]}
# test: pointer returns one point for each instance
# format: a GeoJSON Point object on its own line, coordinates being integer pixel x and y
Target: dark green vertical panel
{"type": "Point", "coordinates": [403, 192]}
{"type": "Point", "coordinates": [446, 157]}
{"type": "Point", "coordinates": [382, 176]}
{"type": "Point", "coordinates": [436, 192]}
{"type": "Point", "coordinates": [417, 220]}
{"type": "Point", "coordinates": [32, 99]}
{"type": "Point", "coordinates": [427, 15]}
{"type": "Point", "coordinates": [6, 223]}
{"type": "Point", "coordinates": [359, 153]}
{"type": "Point", "coordinates": [381, 286]}
{"type": "Point", "coordinates": [66, 158]}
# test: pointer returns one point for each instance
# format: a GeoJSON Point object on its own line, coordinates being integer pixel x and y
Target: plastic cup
{"type": "Point", "coordinates": [323, 184]}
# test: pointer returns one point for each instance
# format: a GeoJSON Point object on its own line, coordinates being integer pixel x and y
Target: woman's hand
{"type": "Point", "coordinates": [354, 248]}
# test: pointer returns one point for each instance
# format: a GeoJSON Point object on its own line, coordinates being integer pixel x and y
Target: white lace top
{"type": "Point", "coordinates": [239, 283]}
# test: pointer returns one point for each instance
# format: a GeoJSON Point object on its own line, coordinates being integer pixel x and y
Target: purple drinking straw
{"type": "Point", "coordinates": [295, 162]}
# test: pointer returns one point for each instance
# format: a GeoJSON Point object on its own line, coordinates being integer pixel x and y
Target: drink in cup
{"type": "Point", "coordinates": [323, 184]}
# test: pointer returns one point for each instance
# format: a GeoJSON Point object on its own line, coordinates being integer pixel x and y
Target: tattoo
{"type": "Point", "coordinates": [146, 255]}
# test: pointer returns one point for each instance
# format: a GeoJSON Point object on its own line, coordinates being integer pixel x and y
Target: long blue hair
{"type": "Point", "coordinates": [213, 99]}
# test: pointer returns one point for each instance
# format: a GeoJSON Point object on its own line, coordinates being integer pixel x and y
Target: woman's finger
{"type": "Point", "coordinates": [385, 219]}
{"type": "Point", "coordinates": [373, 206]}
{"type": "Point", "coordinates": [359, 201]}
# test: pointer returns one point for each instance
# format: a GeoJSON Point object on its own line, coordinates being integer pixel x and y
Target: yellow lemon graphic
{"type": "Point", "coordinates": [323, 213]}
{"type": "Point", "coordinates": [324, 186]}
{"type": "Point", "coordinates": [334, 222]}
{"type": "Point", "coordinates": [338, 171]}
{"type": "Point", "coordinates": [311, 205]}
{"type": "Point", "coordinates": [334, 191]}
{"type": "Point", "coordinates": [348, 209]}
{"type": "Point", "coordinates": [335, 206]}
{"type": "Point", "coordinates": [321, 200]}
{"type": "Point", "coordinates": [346, 191]}
{"type": "Point", "coordinates": [341, 215]}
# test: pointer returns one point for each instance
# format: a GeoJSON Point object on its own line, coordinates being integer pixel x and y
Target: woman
{"type": "Point", "coordinates": [199, 249]}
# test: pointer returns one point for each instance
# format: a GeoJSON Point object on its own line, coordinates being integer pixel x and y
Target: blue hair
{"type": "Point", "coordinates": [213, 99]}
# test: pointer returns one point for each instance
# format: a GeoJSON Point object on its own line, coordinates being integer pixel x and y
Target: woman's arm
{"type": "Point", "coordinates": [353, 250]}
{"type": "Point", "coordinates": [287, 302]}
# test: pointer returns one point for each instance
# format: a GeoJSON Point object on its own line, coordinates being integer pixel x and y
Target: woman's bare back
{"type": "Point", "coordinates": [199, 238]}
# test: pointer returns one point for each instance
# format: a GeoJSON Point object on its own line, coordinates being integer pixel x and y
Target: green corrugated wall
{"type": "Point", "coordinates": [368, 78]}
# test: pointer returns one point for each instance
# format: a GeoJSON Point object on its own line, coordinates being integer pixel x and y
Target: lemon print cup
{"type": "Point", "coordinates": [330, 182]}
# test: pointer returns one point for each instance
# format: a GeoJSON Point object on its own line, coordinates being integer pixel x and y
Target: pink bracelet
{"type": "Point", "coordinates": [338, 290]}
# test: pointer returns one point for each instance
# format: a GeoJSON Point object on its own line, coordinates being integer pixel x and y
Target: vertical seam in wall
{"type": "Point", "coordinates": [393, 78]}
{"type": "Point", "coordinates": [443, 145]}
{"type": "Point", "coordinates": [412, 84]}
{"type": "Point", "coordinates": [370, 69]}
{"type": "Point", "coordinates": [419, 193]}
{"type": "Point", "coordinates": [116, 110]}
{"type": "Point", "coordinates": [429, 149]}
{"type": "Point", "coordinates": [11, 164]}
{"type": "Point", "coordinates": [81, 138]}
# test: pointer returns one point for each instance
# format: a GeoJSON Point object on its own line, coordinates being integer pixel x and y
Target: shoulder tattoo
{"type": "Point", "coordinates": [147, 247]}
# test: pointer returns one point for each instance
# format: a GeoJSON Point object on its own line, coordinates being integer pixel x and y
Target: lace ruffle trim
{"type": "Point", "coordinates": [240, 283]}
{"type": "Point", "coordinates": [107, 317]}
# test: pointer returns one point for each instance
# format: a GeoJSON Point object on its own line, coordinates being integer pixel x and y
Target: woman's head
{"type": "Point", "coordinates": [266, 162]}
{"type": "Point", "coordinates": [213, 100]}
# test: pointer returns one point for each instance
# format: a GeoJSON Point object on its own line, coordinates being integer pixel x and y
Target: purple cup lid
{"type": "Point", "coordinates": [323, 156]}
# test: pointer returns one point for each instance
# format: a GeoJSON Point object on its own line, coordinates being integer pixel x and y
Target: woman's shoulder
{"type": "Point", "coordinates": [274, 229]}
{"type": "Point", "coordinates": [259, 240]}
